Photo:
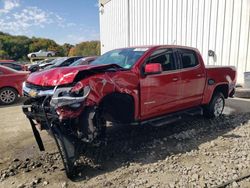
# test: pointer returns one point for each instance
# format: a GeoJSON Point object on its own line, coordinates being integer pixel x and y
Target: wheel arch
{"type": "Point", "coordinates": [222, 88]}
{"type": "Point", "coordinates": [118, 107]}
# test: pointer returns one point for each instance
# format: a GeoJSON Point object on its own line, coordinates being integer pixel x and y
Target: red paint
{"type": "Point", "coordinates": [12, 78]}
{"type": "Point", "coordinates": [153, 94]}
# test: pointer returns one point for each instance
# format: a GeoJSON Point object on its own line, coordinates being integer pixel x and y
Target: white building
{"type": "Point", "coordinates": [219, 25]}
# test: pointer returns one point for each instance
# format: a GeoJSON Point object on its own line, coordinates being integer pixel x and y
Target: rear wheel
{"type": "Point", "coordinates": [216, 106]}
{"type": "Point", "coordinates": [8, 95]}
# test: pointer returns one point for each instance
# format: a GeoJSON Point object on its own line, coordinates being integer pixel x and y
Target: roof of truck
{"type": "Point", "coordinates": [163, 45]}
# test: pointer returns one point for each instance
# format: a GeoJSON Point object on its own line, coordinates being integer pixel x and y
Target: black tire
{"type": "Point", "coordinates": [91, 118]}
{"type": "Point", "coordinates": [215, 107]}
{"type": "Point", "coordinates": [8, 95]}
{"type": "Point", "coordinates": [68, 164]}
{"type": "Point", "coordinates": [33, 55]}
{"type": "Point", "coordinates": [49, 55]}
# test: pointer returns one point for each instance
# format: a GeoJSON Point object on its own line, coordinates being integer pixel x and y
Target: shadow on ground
{"type": "Point", "coordinates": [18, 102]}
{"type": "Point", "coordinates": [149, 144]}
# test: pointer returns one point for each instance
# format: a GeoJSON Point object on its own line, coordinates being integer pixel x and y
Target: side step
{"type": "Point", "coordinates": [173, 117]}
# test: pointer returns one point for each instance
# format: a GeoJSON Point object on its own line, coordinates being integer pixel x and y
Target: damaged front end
{"type": "Point", "coordinates": [59, 110]}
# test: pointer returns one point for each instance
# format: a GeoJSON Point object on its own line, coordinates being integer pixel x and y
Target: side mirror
{"type": "Point", "coordinates": [153, 68]}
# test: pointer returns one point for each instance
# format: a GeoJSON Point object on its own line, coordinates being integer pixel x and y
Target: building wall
{"type": "Point", "coordinates": [219, 25]}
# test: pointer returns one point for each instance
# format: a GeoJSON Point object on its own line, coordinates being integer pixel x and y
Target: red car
{"type": "Point", "coordinates": [11, 82]}
{"type": "Point", "coordinates": [134, 86]}
{"type": "Point", "coordinates": [12, 64]}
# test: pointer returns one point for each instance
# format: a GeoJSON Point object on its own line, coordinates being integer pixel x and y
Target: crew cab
{"type": "Point", "coordinates": [136, 86]}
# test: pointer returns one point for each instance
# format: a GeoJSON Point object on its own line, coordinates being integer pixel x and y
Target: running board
{"type": "Point", "coordinates": [171, 118]}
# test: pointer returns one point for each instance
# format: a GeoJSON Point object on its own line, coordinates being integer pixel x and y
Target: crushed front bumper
{"type": "Point", "coordinates": [39, 117]}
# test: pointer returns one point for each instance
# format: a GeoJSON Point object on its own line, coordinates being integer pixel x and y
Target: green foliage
{"type": "Point", "coordinates": [66, 48]}
{"type": "Point", "coordinates": [17, 47]}
{"type": "Point", "coordinates": [3, 54]}
{"type": "Point", "coordinates": [88, 48]}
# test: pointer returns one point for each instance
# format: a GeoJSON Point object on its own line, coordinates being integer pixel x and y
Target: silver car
{"type": "Point", "coordinates": [41, 53]}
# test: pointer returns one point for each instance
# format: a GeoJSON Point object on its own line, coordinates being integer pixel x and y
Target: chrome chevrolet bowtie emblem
{"type": "Point", "coordinates": [32, 93]}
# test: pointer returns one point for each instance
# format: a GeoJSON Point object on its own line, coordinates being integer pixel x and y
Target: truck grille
{"type": "Point", "coordinates": [37, 87]}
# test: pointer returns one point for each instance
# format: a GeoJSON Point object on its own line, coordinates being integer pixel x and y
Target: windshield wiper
{"type": "Point", "coordinates": [116, 67]}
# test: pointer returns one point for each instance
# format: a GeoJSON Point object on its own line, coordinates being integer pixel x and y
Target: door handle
{"type": "Point", "coordinates": [175, 79]}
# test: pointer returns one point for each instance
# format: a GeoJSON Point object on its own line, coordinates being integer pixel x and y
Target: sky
{"type": "Point", "coordinates": [65, 21]}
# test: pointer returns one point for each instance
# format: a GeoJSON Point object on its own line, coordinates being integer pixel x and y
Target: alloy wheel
{"type": "Point", "coordinates": [7, 96]}
{"type": "Point", "coordinates": [218, 107]}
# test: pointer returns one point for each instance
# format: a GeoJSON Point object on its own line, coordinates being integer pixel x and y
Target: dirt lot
{"type": "Point", "coordinates": [190, 153]}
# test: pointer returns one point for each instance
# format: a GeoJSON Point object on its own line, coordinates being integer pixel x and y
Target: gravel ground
{"type": "Point", "coordinates": [195, 152]}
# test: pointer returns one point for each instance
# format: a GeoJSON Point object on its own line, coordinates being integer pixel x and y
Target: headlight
{"type": "Point", "coordinates": [68, 95]}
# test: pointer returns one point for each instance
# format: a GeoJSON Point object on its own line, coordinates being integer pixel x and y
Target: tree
{"type": "Point", "coordinates": [89, 48]}
{"type": "Point", "coordinates": [3, 54]}
{"type": "Point", "coordinates": [66, 48]}
{"type": "Point", "coordinates": [72, 51]}
{"type": "Point", "coordinates": [17, 47]}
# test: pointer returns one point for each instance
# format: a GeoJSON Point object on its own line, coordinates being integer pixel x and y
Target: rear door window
{"type": "Point", "coordinates": [188, 58]}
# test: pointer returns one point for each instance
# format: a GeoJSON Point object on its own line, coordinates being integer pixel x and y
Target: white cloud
{"type": "Point", "coordinates": [8, 5]}
{"type": "Point", "coordinates": [19, 22]}
{"type": "Point", "coordinates": [23, 20]}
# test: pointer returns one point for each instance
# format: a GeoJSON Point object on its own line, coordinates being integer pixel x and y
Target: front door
{"type": "Point", "coordinates": [160, 92]}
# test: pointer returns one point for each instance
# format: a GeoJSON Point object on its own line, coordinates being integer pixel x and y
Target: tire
{"type": "Point", "coordinates": [91, 119]}
{"type": "Point", "coordinates": [49, 55]}
{"type": "Point", "coordinates": [8, 96]}
{"type": "Point", "coordinates": [68, 164]}
{"type": "Point", "coordinates": [33, 55]}
{"type": "Point", "coordinates": [215, 107]}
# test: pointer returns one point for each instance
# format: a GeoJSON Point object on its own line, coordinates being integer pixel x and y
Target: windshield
{"type": "Point", "coordinates": [77, 62]}
{"type": "Point", "coordinates": [125, 58]}
{"type": "Point", "coordinates": [58, 61]}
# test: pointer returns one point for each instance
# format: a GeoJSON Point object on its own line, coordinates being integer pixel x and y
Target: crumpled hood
{"type": "Point", "coordinates": [60, 76]}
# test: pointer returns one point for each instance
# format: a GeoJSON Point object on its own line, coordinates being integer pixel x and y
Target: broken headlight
{"type": "Point", "coordinates": [70, 96]}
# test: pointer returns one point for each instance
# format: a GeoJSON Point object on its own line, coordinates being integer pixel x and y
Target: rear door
{"type": "Point", "coordinates": [160, 92]}
{"type": "Point", "coordinates": [193, 79]}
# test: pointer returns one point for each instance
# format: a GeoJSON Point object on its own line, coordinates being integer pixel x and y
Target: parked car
{"type": "Point", "coordinates": [84, 61]}
{"type": "Point", "coordinates": [11, 84]}
{"type": "Point", "coordinates": [12, 64]}
{"type": "Point", "coordinates": [63, 62]}
{"type": "Point", "coordinates": [41, 53]}
{"type": "Point", "coordinates": [40, 65]}
{"type": "Point", "coordinates": [143, 85]}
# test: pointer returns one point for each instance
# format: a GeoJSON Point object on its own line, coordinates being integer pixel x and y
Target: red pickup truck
{"type": "Point", "coordinates": [137, 85]}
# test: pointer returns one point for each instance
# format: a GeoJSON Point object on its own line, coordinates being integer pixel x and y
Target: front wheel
{"type": "Point", "coordinates": [49, 55]}
{"type": "Point", "coordinates": [215, 107]}
{"type": "Point", "coordinates": [67, 150]}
